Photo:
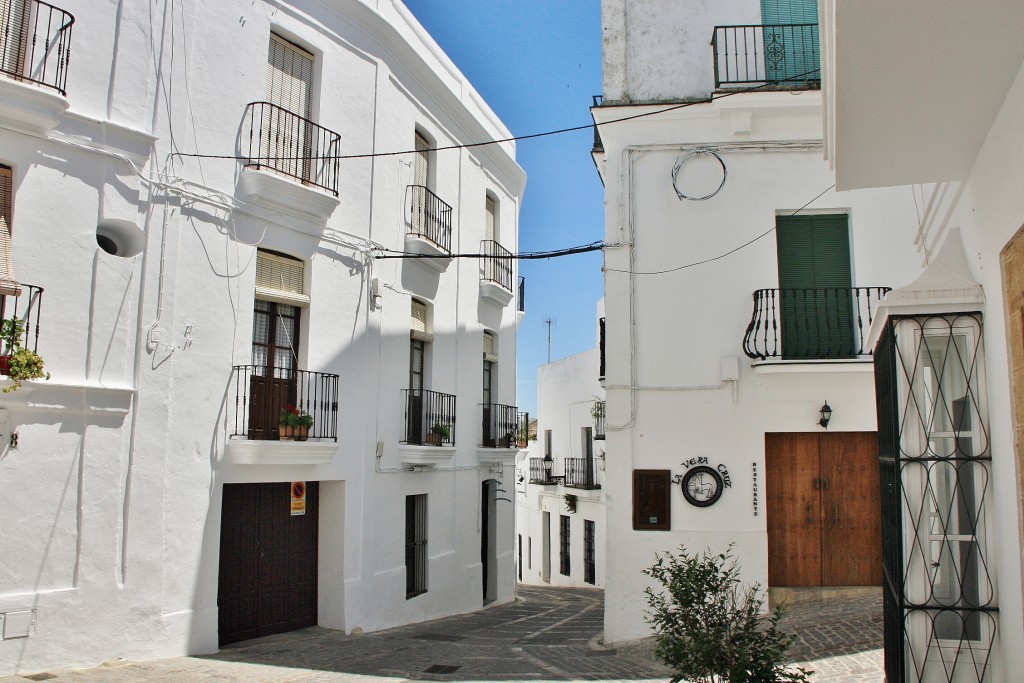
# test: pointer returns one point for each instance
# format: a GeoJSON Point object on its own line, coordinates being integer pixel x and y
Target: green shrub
{"type": "Point", "coordinates": [709, 627]}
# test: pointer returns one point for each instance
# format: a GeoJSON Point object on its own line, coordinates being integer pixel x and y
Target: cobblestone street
{"type": "Point", "coordinates": [548, 634]}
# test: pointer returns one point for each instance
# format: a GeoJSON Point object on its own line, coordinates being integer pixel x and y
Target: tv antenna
{"type": "Point", "coordinates": [549, 322]}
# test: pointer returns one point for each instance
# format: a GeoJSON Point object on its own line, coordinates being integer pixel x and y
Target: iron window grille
{"type": "Point", "coordinates": [415, 545]}
{"type": "Point", "coordinates": [563, 545]}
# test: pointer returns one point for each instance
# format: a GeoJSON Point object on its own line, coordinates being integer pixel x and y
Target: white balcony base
{"type": "Point", "coordinates": [495, 293]}
{"type": "Point", "coordinates": [497, 456]}
{"type": "Point", "coordinates": [309, 206]}
{"type": "Point", "coordinates": [426, 456]}
{"type": "Point", "coordinates": [254, 452]}
{"type": "Point", "coordinates": [28, 107]}
{"type": "Point", "coordinates": [415, 244]}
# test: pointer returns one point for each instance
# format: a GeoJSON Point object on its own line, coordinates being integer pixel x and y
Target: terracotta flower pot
{"type": "Point", "coordinates": [287, 432]}
{"type": "Point", "coordinates": [301, 433]}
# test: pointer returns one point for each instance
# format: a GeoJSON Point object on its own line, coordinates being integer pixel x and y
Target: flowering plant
{"type": "Point", "coordinates": [293, 416]}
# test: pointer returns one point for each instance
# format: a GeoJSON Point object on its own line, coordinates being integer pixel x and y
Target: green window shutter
{"type": "Point", "coordinates": [816, 286]}
{"type": "Point", "coordinates": [791, 53]}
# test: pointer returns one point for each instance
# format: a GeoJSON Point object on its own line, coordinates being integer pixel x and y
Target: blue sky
{"type": "Point", "coordinates": [537, 63]}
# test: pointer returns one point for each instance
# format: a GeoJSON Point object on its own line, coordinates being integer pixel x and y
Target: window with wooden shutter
{"type": "Point", "coordinates": [421, 162]}
{"type": "Point", "coordinates": [290, 87]}
{"type": "Point", "coordinates": [418, 326]}
{"type": "Point", "coordinates": [815, 279]}
{"type": "Point", "coordinates": [489, 350]}
{"type": "Point", "coordinates": [280, 278]}
{"type": "Point", "coordinates": [652, 500]}
{"type": "Point", "coordinates": [490, 221]}
{"type": "Point", "coordinates": [15, 17]}
{"type": "Point", "coordinates": [8, 284]}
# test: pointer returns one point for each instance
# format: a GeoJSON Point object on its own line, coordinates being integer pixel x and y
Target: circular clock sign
{"type": "Point", "coordinates": [702, 486]}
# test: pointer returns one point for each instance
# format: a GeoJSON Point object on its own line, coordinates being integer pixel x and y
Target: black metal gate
{"type": "Point", "coordinates": [940, 611]}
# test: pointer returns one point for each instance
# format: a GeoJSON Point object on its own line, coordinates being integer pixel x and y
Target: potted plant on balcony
{"type": "Point", "coordinates": [24, 364]}
{"type": "Point", "coordinates": [11, 330]}
{"type": "Point", "coordinates": [295, 423]}
{"type": "Point", "coordinates": [438, 434]}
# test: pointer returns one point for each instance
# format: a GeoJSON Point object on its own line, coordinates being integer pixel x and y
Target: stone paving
{"type": "Point", "coordinates": [548, 634]}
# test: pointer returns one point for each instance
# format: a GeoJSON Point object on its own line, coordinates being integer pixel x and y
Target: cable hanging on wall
{"type": "Point", "coordinates": [692, 154]}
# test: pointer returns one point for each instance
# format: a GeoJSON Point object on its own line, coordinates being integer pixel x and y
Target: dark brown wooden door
{"type": "Point", "coordinates": [268, 561]}
{"type": "Point", "coordinates": [823, 510]}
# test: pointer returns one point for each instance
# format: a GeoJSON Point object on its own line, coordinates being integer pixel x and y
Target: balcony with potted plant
{"type": "Point", "coordinates": [19, 335]}
{"type": "Point", "coordinates": [429, 428]}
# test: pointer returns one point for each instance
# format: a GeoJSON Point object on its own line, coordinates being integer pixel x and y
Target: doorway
{"type": "Point", "coordinates": [488, 538]}
{"type": "Point", "coordinates": [823, 510]}
{"type": "Point", "coordinates": [268, 560]}
{"type": "Point", "coordinates": [545, 564]}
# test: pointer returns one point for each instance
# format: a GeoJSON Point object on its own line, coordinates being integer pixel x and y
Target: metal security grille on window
{"type": "Point", "coordinates": [415, 545]}
{"type": "Point", "coordinates": [936, 469]}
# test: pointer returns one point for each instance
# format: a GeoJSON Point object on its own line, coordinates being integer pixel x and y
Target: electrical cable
{"type": "Point", "coordinates": [530, 255]}
{"type": "Point", "coordinates": [720, 256]}
{"type": "Point", "coordinates": [514, 138]}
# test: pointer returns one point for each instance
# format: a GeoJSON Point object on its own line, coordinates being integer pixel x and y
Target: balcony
{"type": "Point", "coordinates": [498, 426]}
{"type": "Point", "coordinates": [523, 430]}
{"type": "Point", "coordinates": [580, 473]}
{"type": "Point", "coordinates": [784, 55]}
{"type": "Point", "coordinates": [539, 475]}
{"type": "Point", "coordinates": [263, 393]}
{"type": "Point", "coordinates": [811, 324]}
{"type": "Point", "coordinates": [429, 228]}
{"type": "Point", "coordinates": [35, 48]}
{"type": "Point", "coordinates": [429, 418]}
{"type": "Point", "coordinates": [495, 273]}
{"type": "Point", "coordinates": [597, 412]}
{"type": "Point", "coordinates": [36, 43]}
{"type": "Point", "coordinates": [286, 143]}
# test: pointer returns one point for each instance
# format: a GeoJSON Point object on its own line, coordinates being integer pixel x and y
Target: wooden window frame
{"type": "Point", "coordinates": [662, 524]}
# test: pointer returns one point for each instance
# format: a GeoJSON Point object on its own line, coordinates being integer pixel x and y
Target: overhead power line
{"type": "Point", "coordinates": [525, 256]}
{"type": "Point", "coordinates": [514, 138]}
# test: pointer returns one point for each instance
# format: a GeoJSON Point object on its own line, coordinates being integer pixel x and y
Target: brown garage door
{"type": "Point", "coordinates": [268, 561]}
{"type": "Point", "coordinates": [823, 509]}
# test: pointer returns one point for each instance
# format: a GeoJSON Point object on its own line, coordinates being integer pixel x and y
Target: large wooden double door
{"type": "Point", "coordinates": [823, 509]}
{"type": "Point", "coordinates": [268, 561]}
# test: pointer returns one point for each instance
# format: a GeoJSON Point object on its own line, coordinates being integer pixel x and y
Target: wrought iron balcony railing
{"type": "Point", "coordinates": [291, 145]}
{"type": "Point", "coordinates": [783, 54]}
{"type": "Point", "coordinates": [35, 45]}
{"type": "Point", "coordinates": [538, 475]}
{"type": "Point", "coordinates": [262, 393]}
{"type": "Point", "coordinates": [429, 417]}
{"type": "Point", "coordinates": [597, 412]}
{"type": "Point", "coordinates": [580, 473]}
{"type": "Point", "coordinates": [20, 306]}
{"type": "Point", "coordinates": [496, 264]}
{"type": "Point", "coordinates": [805, 324]}
{"type": "Point", "coordinates": [430, 217]}
{"type": "Point", "coordinates": [498, 426]}
{"type": "Point", "coordinates": [522, 429]}
{"type": "Point", "coordinates": [521, 295]}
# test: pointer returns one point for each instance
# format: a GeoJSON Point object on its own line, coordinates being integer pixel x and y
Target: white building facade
{"type": "Point", "coordinates": [153, 504]}
{"type": "Point", "coordinates": [740, 288]}
{"type": "Point", "coordinates": [949, 347]}
{"type": "Point", "coordinates": [560, 511]}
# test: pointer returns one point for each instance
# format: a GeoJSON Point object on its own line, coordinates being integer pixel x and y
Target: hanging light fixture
{"type": "Point", "coordinates": [548, 463]}
{"type": "Point", "coordinates": [826, 415]}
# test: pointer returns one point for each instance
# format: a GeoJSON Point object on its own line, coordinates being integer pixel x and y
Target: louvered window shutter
{"type": "Point", "coordinates": [15, 16]}
{"type": "Point", "coordinates": [8, 284]}
{"type": "Point", "coordinates": [421, 161]}
{"type": "Point", "coordinates": [489, 354]}
{"type": "Point", "coordinates": [289, 76]}
{"type": "Point", "coordinates": [418, 323]}
{"type": "Point", "coordinates": [489, 223]}
{"type": "Point", "coordinates": [280, 279]}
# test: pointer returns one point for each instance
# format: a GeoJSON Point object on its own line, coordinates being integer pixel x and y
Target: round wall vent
{"type": "Point", "coordinates": [119, 237]}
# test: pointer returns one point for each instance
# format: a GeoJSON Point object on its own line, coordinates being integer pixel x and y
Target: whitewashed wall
{"type": "Point", "coordinates": [112, 500]}
{"type": "Point", "coordinates": [668, 333]}
{"type": "Point", "coordinates": [566, 391]}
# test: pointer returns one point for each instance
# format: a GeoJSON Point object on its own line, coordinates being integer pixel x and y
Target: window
{"type": "Point", "coordinates": [415, 545]}
{"type": "Point", "coordinates": [419, 339]}
{"type": "Point", "coordinates": [815, 286]}
{"type": "Point", "coordinates": [421, 167]}
{"type": "Point", "coordinates": [276, 321]}
{"type": "Point", "coordinates": [491, 412]}
{"type": "Point", "coordinates": [651, 500]}
{"type": "Point", "coordinates": [563, 545]}
{"type": "Point", "coordinates": [8, 284]}
{"type": "Point", "coordinates": [589, 552]}
{"type": "Point", "coordinates": [289, 87]}
{"type": "Point", "coordinates": [490, 218]}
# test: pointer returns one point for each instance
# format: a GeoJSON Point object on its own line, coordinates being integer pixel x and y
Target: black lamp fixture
{"type": "Point", "coordinates": [548, 463]}
{"type": "Point", "coordinates": [826, 415]}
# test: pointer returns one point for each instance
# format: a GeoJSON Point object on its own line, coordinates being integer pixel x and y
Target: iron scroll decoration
{"type": "Point", "coordinates": [681, 161]}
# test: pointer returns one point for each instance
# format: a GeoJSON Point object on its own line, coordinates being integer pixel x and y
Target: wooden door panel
{"type": "Point", "coordinates": [793, 509]}
{"type": "Point", "coordinates": [851, 524]}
